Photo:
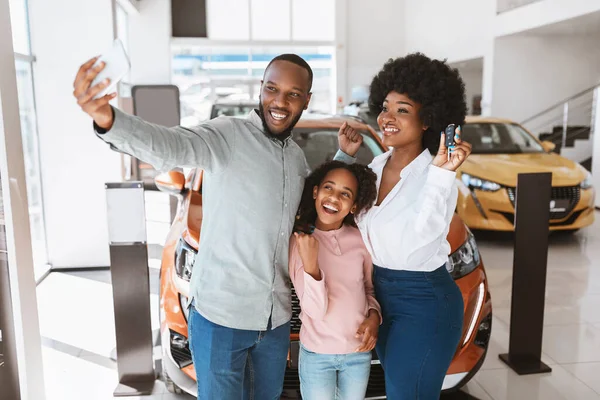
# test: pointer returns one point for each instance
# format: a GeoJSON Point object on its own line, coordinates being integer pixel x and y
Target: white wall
{"type": "Point", "coordinates": [375, 33]}
{"type": "Point", "coordinates": [74, 163]}
{"type": "Point", "coordinates": [382, 29]}
{"type": "Point", "coordinates": [542, 13]}
{"type": "Point", "coordinates": [533, 73]}
{"type": "Point", "coordinates": [473, 79]}
{"type": "Point", "coordinates": [454, 30]}
{"type": "Point", "coordinates": [150, 43]}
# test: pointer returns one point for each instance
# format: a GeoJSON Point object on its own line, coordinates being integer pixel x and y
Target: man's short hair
{"type": "Point", "coordinates": [296, 59]}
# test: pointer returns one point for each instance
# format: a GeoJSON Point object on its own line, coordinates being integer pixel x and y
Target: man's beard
{"type": "Point", "coordinates": [279, 136]}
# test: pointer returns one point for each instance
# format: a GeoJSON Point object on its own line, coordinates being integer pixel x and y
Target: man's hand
{"type": "Point", "coordinates": [369, 330]}
{"type": "Point", "coordinates": [458, 154]}
{"type": "Point", "coordinates": [308, 247]}
{"type": "Point", "coordinates": [98, 109]}
{"type": "Point", "coordinates": [349, 140]}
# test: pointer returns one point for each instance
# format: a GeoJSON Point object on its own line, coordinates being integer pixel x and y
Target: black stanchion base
{"type": "Point", "coordinates": [125, 389]}
{"type": "Point", "coordinates": [459, 395]}
{"type": "Point", "coordinates": [525, 365]}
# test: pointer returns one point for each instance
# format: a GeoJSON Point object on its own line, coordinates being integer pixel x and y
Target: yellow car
{"type": "Point", "coordinates": [502, 149]}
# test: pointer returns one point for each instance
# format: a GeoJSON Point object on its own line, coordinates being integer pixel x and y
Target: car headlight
{"type": "Point", "coordinates": [185, 306]}
{"type": "Point", "coordinates": [473, 182]}
{"type": "Point", "coordinates": [184, 260]}
{"type": "Point", "coordinates": [587, 182]}
{"type": "Point", "coordinates": [465, 259]}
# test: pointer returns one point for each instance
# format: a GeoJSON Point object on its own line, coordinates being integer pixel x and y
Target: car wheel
{"type": "Point", "coordinates": [170, 385]}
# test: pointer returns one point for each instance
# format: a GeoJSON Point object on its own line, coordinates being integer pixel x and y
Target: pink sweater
{"type": "Point", "coordinates": [334, 307]}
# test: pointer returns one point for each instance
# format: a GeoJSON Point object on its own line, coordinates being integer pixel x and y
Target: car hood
{"type": "Point", "coordinates": [504, 168]}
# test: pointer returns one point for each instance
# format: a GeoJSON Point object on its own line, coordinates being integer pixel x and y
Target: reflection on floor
{"type": "Point", "coordinates": [77, 325]}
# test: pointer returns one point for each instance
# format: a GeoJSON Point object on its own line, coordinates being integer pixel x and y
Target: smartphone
{"type": "Point", "coordinates": [116, 67]}
{"type": "Point", "coordinates": [450, 131]}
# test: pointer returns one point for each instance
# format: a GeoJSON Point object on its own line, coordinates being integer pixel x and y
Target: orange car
{"type": "Point", "coordinates": [318, 139]}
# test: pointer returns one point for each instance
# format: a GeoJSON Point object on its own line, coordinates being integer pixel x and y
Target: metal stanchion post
{"type": "Point", "coordinates": [532, 216]}
{"type": "Point", "coordinates": [131, 287]}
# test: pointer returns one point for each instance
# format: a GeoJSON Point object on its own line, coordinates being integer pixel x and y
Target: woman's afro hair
{"type": "Point", "coordinates": [432, 83]}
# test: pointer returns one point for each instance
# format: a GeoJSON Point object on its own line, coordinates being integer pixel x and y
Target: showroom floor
{"type": "Point", "coordinates": [77, 325]}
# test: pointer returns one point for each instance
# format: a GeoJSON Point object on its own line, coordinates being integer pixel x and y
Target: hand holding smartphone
{"type": "Point", "coordinates": [116, 67]}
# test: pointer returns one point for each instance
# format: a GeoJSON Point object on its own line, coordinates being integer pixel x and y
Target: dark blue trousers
{"type": "Point", "coordinates": [422, 325]}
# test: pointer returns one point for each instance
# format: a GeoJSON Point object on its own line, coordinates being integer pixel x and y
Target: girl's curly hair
{"type": "Point", "coordinates": [432, 83]}
{"type": "Point", "coordinates": [367, 191]}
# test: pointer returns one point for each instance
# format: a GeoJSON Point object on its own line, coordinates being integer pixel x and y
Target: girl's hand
{"type": "Point", "coordinates": [349, 140]}
{"type": "Point", "coordinates": [308, 247]}
{"type": "Point", "coordinates": [369, 330]}
{"type": "Point", "coordinates": [458, 154]}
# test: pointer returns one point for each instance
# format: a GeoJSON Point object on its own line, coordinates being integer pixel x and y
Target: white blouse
{"type": "Point", "coordinates": [408, 230]}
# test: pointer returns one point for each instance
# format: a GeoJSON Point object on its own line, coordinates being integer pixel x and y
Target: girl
{"type": "Point", "coordinates": [331, 272]}
{"type": "Point", "coordinates": [415, 98]}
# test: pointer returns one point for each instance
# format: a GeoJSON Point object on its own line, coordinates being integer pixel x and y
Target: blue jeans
{"type": "Point", "coordinates": [333, 376]}
{"type": "Point", "coordinates": [234, 364]}
{"type": "Point", "coordinates": [422, 325]}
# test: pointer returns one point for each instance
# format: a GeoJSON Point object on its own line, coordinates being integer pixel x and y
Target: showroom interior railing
{"type": "Point", "coordinates": [567, 122]}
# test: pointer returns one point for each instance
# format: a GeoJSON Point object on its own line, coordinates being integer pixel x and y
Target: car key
{"type": "Point", "coordinates": [450, 142]}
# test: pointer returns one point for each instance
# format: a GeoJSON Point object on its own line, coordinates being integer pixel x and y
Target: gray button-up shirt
{"type": "Point", "coordinates": [251, 190]}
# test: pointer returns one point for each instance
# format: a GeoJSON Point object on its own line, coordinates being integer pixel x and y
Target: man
{"type": "Point", "coordinates": [254, 175]}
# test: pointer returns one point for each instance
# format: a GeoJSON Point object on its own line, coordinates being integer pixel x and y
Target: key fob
{"type": "Point", "coordinates": [450, 132]}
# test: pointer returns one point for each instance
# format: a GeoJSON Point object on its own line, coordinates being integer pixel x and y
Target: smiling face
{"type": "Point", "coordinates": [335, 198]}
{"type": "Point", "coordinates": [400, 122]}
{"type": "Point", "coordinates": [285, 93]}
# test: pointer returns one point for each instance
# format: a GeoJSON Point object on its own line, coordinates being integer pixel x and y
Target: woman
{"type": "Point", "coordinates": [415, 98]}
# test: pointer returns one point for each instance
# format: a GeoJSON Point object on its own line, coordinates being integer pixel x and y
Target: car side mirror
{"type": "Point", "coordinates": [172, 182]}
{"type": "Point", "coordinates": [548, 146]}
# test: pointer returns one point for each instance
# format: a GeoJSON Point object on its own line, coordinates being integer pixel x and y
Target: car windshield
{"type": "Point", "coordinates": [232, 110]}
{"type": "Point", "coordinates": [321, 145]}
{"type": "Point", "coordinates": [499, 138]}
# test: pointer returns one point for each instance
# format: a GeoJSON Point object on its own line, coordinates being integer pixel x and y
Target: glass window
{"type": "Point", "coordinates": [232, 74]}
{"type": "Point", "coordinates": [20, 26]}
{"type": "Point", "coordinates": [123, 27]}
{"type": "Point", "coordinates": [228, 19]}
{"type": "Point", "coordinates": [122, 24]}
{"type": "Point", "coordinates": [32, 165]}
{"type": "Point", "coordinates": [498, 138]}
{"type": "Point", "coordinates": [206, 75]}
{"type": "Point", "coordinates": [321, 145]}
{"type": "Point", "coordinates": [313, 20]}
{"type": "Point", "coordinates": [320, 60]}
{"type": "Point", "coordinates": [270, 19]}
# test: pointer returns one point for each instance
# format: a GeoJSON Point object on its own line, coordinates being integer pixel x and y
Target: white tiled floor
{"type": "Point", "coordinates": [571, 344]}
{"type": "Point", "coordinates": [76, 320]}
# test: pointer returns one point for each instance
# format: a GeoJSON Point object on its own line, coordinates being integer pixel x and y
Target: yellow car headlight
{"type": "Point", "coordinates": [472, 182]}
{"type": "Point", "coordinates": [587, 182]}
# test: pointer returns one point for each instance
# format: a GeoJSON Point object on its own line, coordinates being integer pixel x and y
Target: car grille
{"type": "Point", "coordinates": [295, 323]}
{"type": "Point", "coordinates": [182, 356]}
{"type": "Point", "coordinates": [571, 193]}
{"type": "Point", "coordinates": [375, 388]}
{"type": "Point", "coordinates": [376, 385]}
